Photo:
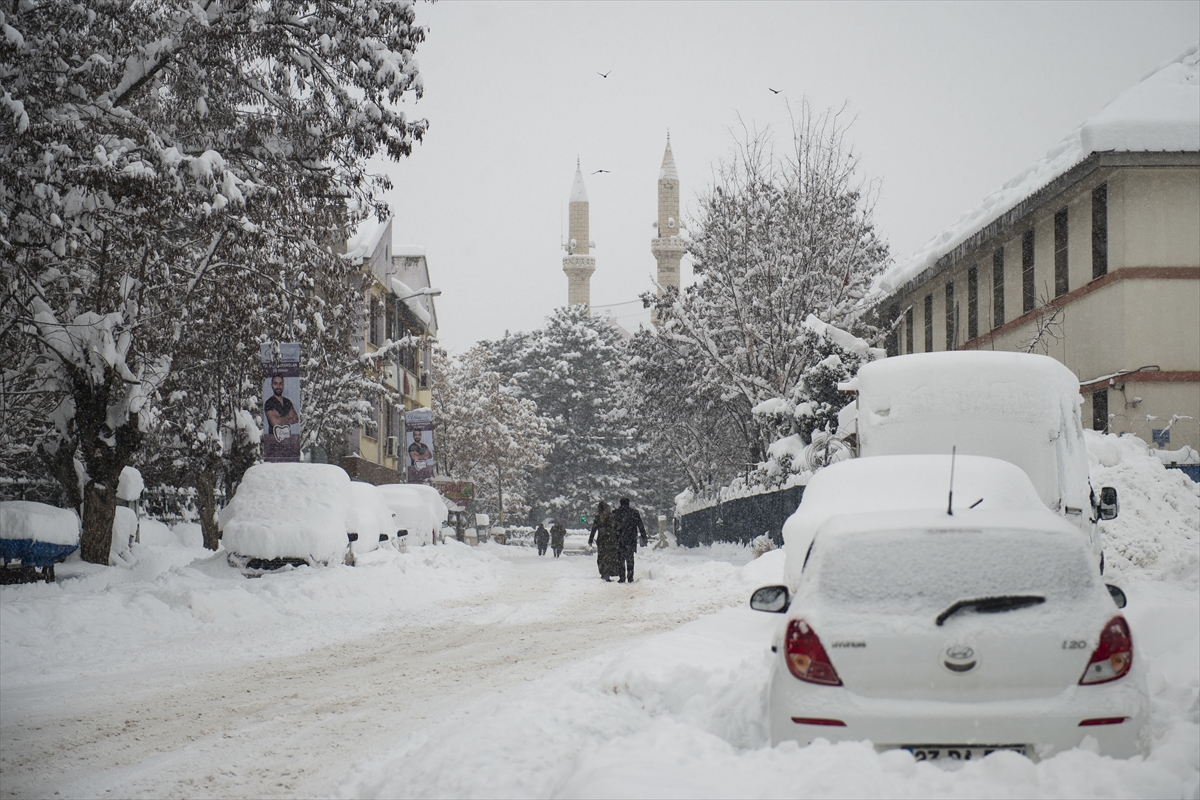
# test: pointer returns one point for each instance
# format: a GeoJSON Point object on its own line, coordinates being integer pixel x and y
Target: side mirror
{"type": "Point", "coordinates": [1109, 507]}
{"type": "Point", "coordinates": [1118, 596]}
{"type": "Point", "coordinates": [773, 599]}
{"type": "Point", "coordinates": [352, 537]}
{"type": "Point", "coordinates": [402, 532]}
{"type": "Point", "coordinates": [383, 537]}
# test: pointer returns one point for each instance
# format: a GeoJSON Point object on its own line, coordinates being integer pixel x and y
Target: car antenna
{"type": "Point", "coordinates": [950, 500]}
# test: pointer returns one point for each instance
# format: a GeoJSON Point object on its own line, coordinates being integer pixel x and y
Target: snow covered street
{"type": "Point", "coordinates": [489, 671]}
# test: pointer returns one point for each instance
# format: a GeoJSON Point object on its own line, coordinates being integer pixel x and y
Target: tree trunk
{"type": "Point", "coordinates": [99, 511]}
{"type": "Point", "coordinates": [206, 501]}
{"type": "Point", "coordinates": [500, 493]}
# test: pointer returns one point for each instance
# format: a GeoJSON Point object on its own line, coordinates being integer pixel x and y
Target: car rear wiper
{"type": "Point", "coordinates": [992, 605]}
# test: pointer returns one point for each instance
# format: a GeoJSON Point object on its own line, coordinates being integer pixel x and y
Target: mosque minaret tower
{"type": "Point", "coordinates": [578, 265]}
{"type": "Point", "coordinates": [666, 246]}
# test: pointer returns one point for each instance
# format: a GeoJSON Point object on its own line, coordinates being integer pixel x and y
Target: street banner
{"type": "Point", "coordinates": [458, 492]}
{"type": "Point", "coordinates": [418, 436]}
{"type": "Point", "coordinates": [281, 403]}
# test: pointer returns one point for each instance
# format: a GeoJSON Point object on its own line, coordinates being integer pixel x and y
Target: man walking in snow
{"type": "Point", "coordinates": [541, 538]}
{"type": "Point", "coordinates": [604, 534]}
{"type": "Point", "coordinates": [629, 525]}
{"type": "Point", "coordinates": [558, 537]}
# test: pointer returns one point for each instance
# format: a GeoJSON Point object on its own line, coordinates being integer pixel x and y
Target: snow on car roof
{"type": "Point", "coordinates": [1038, 518]}
{"type": "Point", "coordinates": [978, 384]}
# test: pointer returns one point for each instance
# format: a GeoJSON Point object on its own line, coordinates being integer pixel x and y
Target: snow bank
{"type": "Point", "coordinates": [1157, 532]}
{"type": "Point", "coordinates": [290, 511]}
{"type": "Point", "coordinates": [176, 610]}
{"type": "Point", "coordinates": [25, 519]}
{"type": "Point", "coordinates": [1160, 113]}
{"type": "Point", "coordinates": [902, 483]}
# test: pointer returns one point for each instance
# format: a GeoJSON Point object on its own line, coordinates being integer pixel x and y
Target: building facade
{"type": "Point", "coordinates": [399, 326]}
{"type": "Point", "coordinates": [1095, 263]}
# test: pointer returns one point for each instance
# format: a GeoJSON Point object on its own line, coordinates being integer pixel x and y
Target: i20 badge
{"type": "Point", "coordinates": [959, 658]}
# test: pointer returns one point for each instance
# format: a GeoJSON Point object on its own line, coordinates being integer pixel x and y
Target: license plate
{"type": "Point", "coordinates": [959, 752]}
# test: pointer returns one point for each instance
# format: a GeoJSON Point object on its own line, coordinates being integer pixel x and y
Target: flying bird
{"type": "Point", "coordinates": [604, 74]}
{"type": "Point", "coordinates": [597, 172]}
{"type": "Point", "coordinates": [774, 91]}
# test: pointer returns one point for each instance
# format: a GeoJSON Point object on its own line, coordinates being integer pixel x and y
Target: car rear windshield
{"type": "Point", "coordinates": [905, 571]}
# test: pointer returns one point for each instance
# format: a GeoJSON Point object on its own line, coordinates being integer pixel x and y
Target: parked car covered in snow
{"type": "Point", "coordinates": [372, 522]}
{"type": "Point", "coordinates": [36, 536]}
{"type": "Point", "coordinates": [433, 499]}
{"type": "Point", "coordinates": [953, 636]}
{"type": "Point", "coordinates": [289, 514]}
{"type": "Point", "coordinates": [413, 512]}
{"type": "Point", "coordinates": [1019, 407]}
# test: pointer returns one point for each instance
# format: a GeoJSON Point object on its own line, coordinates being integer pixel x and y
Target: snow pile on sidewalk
{"type": "Point", "coordinates": [1157, 533]}
{"type": "Point", "coordinates": [187, 607]}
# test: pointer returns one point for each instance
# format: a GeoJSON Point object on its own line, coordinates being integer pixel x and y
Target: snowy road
{"type": "Point", "coordinates": [293, 725]}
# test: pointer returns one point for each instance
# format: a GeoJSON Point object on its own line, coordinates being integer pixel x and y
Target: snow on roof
{"type": "Point", "coordinates": [366, 238]}
{"type": "Point", "coordinates": [1161, 113]}
{"type": "Point", "coordinates": [578, 192]}
{"type": "Point", "coordinates": [667, 171]}
{"type": "Point", "coordinates": [411, 250]}
{"type": "Point", "coordinates": [415, 304]}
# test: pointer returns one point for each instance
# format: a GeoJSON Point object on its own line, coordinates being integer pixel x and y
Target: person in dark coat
{"type": "Point", "coordinates": [604, 534]}
{"type": "Point", "coordinates": [541, 538]}
{"type": "Point", "coordinates": [628, 524]}
{"type": "Point", "coordinates": [558, 537]}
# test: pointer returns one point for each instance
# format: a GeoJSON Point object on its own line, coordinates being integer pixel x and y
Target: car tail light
{"type": "Point", "coordinates": [806, 657]}
{"type": "Point", "coordinates": [1113, 656]}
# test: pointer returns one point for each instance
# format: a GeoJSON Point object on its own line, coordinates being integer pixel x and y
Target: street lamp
{"type": "Point", "coordinates": [426, 292]}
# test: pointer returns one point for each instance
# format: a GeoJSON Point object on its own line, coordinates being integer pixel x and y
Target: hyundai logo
{"type": "Point", "coordinates": [960, 658]}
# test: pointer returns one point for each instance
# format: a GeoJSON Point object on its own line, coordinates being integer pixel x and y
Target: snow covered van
{"type": "Point", "coordinates": [1018, 407]}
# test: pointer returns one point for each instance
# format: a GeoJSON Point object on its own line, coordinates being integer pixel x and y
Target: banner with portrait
{"type": "Point", "coordinates": [418, 441]}
{"type": "Point", "coordinates": [281, 403]}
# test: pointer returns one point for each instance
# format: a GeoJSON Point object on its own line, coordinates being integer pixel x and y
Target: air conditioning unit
{"type": "Point", "coordinates": [393, 446]}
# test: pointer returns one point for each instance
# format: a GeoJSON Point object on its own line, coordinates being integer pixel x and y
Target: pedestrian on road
{"type": "Point", "coordinates": [558, 537]}
{"type": "Point", "coordinates": [541, 538]}
{"type": "Point", "coordinates": [604, 534]}
{"type": "Point", "coordinates": [628, 523]}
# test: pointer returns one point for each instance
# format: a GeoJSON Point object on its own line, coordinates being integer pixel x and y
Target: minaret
{"type": "Point", "coordinates": [666, 246]}
{"type": "Point", "coordinates": [578, 265]}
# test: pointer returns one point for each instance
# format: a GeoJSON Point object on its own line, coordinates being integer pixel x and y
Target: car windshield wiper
{"type": "Point", "coordinates": [992, 605]}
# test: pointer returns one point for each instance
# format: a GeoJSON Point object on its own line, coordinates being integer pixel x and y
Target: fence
{"type": "Point", "coordinates": [741, 520]}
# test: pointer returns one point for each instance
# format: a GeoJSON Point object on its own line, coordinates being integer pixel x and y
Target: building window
{"type": "Point", "coordinates": [892, 342]}
{"type": "Point", "coordinates": [375, 323]}
{"type": "Point", "coordinates": [928, 323]}
{"type": "Point", "coordinates": [1100, 231]}
{"type": "Point", "coordinates": [998, 288]}
{"type": "Point", "coordinates": [1062, 280]}
{"type": "Point", "coordinates": [908, 329]}
{"type": "Point", "coordinates": [951, 322]}
{"type": "Point", "coordinates": [1028, 294]}
{"type": "Point", "coordinates": [972, 303]}
{"type": "Point", "coordinates": [391, 419]}
{"type": "Point", "coordinates": [371, 423]}
{"type": "Point", "coordinates": [1100, 410]}
{"type": "Point", "coordinates": [390, 315]}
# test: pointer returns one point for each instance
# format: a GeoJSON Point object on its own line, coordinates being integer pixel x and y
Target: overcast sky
{"type": "Point", "coordinates": [950, 101]}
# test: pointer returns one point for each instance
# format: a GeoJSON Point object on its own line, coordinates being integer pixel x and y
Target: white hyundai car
{"type": "Point", "coordinates": [954, 636]}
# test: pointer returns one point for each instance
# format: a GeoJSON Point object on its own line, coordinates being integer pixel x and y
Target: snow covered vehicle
{"type": "Point", "coordinates": [289, 514]}
{"type": "Point", "coordinates": [373, 524]}
{"type": "Point", "coordinates": [36, 535]}
{"type": "Point", "coordinates": [948, 635]}
{"type": "Point", "coordinates": [1019, 407]}
{"type": "Point", "coordinates": [413, 511]}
